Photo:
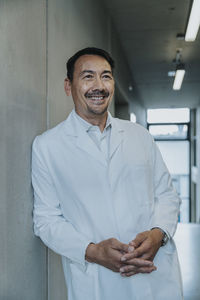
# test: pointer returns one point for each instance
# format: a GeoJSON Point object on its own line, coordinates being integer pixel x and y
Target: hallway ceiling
{"type": "Point", "coordinates": [147, 31]}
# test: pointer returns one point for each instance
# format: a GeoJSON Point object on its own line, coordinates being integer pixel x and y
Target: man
{"type": "Point", "coordinates": [103, 196]}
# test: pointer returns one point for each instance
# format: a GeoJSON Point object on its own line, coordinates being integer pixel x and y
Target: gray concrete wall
{"type": "Point", "coordinates": [122, 111]}
{"type": "Point", "coordinates": [22, 116]}
{"type": "Point", "coordinates": [36, 38]}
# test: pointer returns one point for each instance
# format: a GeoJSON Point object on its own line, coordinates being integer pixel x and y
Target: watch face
{"type": "Point", "coordinates": [165, 239]}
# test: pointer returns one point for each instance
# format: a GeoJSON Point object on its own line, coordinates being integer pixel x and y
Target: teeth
{"type": "Point", "coordinates": [97, 98]}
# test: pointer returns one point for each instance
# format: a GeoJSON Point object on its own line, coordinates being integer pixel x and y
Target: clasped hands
{"type": "Point", "coordinates": [128, 259]}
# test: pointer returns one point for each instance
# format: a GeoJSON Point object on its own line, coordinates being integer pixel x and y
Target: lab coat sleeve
{"type": "Point", "coordinates": [167, 202]}
{"type": "Point", "coordinates": [49, 223]}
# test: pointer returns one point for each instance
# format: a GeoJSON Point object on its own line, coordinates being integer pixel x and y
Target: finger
{"type": "Point", "coordinates": [140, 270]}
{"type": "Point", "coordinates": [140, 237]}
{"type": "Point", "coordinates": [128, 256]}
{"type": "Point", "coordinates": [139, 262]}
{"type": "Point", "coordinates": [116, 256]}
{"type": "Point", "coordinates": [132, 244]}
{"type": "Point", "coordinates": [131, 248]}
{"type": "Point", "coordinates": [147, 270]}
{"type": "Point", "coordinates": [128, 274]}
{"type": "Point", "coordinates": [147, 256]}
{"type": "Point", "coordinates": [124, 247]}
{"type": "Point", "coordinates": [132, 268]}
{"type": "Point", "coordinates": [138, 252]}
{"type": "Point", "coordinates": [126, 269]}
{"type": "Point", "coordinates": [144, 248]}
{"type": "Point", "coordinates": [119, 246]}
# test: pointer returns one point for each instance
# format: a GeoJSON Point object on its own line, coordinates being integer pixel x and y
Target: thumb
{"type": "Point", "coordinates": [139, 239]}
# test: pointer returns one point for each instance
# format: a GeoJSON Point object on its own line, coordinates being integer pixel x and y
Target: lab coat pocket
{"type": "Point", "coordinates": [139, 191]}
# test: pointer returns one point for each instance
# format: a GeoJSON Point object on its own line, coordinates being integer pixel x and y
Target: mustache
{"type": "Point", "coordinates": [102, 93]}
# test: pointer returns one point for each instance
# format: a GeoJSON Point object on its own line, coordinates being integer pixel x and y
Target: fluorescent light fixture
{"type": "Point", "coordinates": [194, 22]}
{"type": "Point", "coordinates": [178, 79]}
{"type": "Point", "coordinates": [171, 73]}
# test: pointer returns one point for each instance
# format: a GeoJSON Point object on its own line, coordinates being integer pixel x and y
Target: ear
{"type": "Point", "coordinates": [67, 86]}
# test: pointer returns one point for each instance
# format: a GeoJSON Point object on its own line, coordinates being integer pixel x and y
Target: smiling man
{"type": "Point", "coordinates": [92, 88]}
{"type": "Point", "coordinates": [103, 196]}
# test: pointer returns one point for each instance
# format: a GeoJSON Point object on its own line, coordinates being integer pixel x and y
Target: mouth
{"type": "Point", "coordinates": [97, 98]}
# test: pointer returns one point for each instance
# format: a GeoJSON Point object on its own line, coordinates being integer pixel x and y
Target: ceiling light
{"type": "Point", "coordinates": [194, 22]}
{"type": "Point", "coordinates": [171, 73]}
{"type": "Point", "coordinates": [179, 75]}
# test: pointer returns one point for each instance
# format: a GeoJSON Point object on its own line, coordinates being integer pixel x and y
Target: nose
{"type": "Point", "coordinates": [98, 84]}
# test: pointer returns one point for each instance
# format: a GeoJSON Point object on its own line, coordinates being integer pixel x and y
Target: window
{"type": "Point", "coordinates": [170, 129]}
{"type": "Point", "coordinates": [168, 115]}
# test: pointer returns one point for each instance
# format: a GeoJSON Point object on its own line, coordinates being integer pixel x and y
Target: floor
{"type": "Point", "coordinates": [187, 240]}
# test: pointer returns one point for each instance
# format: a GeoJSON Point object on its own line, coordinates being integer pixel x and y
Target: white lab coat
{"type": "Point", "coordinates": [82, 198]}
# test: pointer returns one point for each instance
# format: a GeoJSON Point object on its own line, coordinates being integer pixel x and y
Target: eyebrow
{"type": "Point", "coordinates": [92, 72]}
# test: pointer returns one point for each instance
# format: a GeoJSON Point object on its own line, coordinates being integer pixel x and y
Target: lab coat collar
{"type": "Point", "coordinates": [84, 142]}
{"type": "Point", "coordinates": [116, 137]}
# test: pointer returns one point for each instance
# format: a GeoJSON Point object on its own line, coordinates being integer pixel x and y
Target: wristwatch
{"type": "Point", "coordinates": [165, 236]}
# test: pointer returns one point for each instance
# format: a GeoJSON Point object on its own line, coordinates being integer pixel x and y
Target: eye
{"type": "Point", "coordinates": [88, 76]}
{"type": "Point", "coordinates": [107, 76]}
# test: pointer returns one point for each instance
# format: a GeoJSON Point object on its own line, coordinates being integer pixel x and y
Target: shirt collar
{"type": "Point", "coordinates": [88, 126]}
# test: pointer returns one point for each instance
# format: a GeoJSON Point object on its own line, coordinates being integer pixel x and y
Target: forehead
{"type": "Point", "coordinates": [91, 62]}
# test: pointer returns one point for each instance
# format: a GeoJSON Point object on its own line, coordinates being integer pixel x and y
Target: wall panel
{"type": "Point", "coordinates": [22, 116]}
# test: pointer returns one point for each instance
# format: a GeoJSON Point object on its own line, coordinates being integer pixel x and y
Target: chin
{"type": "Point", "coordinates": [98, 111]}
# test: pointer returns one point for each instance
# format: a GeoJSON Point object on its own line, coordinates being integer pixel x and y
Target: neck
{"type": "Point", "coordinates": [96, 120]}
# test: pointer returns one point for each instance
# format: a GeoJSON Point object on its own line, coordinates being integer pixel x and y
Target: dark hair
{"type": "Point", "coordinates": [87, 51]}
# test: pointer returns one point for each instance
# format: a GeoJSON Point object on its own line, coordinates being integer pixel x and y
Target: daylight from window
{"type": "Point", "coordinates": [133, 118]}
{"type": "Point", "coordinates": [170, 129]}
{"type": "Point", "coordinates": [168, 115]}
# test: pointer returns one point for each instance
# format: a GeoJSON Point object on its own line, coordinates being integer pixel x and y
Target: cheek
{"type": "Point", "coordinates": [84, 89]}
{"type": "Point", "coordinates": [110, 88]}
{"type": "Point", "coordinates": [111, 91]}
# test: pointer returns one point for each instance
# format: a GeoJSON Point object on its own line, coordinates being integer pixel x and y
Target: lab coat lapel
{"type": "Point", "coordinates": [85, 143]}
{"type": "Point", "coordinates": [82, 139]}
{"type": "Point", "coordinates": [116, 137]}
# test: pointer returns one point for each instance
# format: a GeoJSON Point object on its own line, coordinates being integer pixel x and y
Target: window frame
{"type": "Point", "coordinates": [187, 138]}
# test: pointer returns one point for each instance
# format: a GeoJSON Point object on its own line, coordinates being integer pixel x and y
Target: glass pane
{"type": "Point", "coordinates": [176, 157]}
{"type": "Point", "coordinates": [169, 131]}
{"type": "Point", "coordinates": [172, 115]}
